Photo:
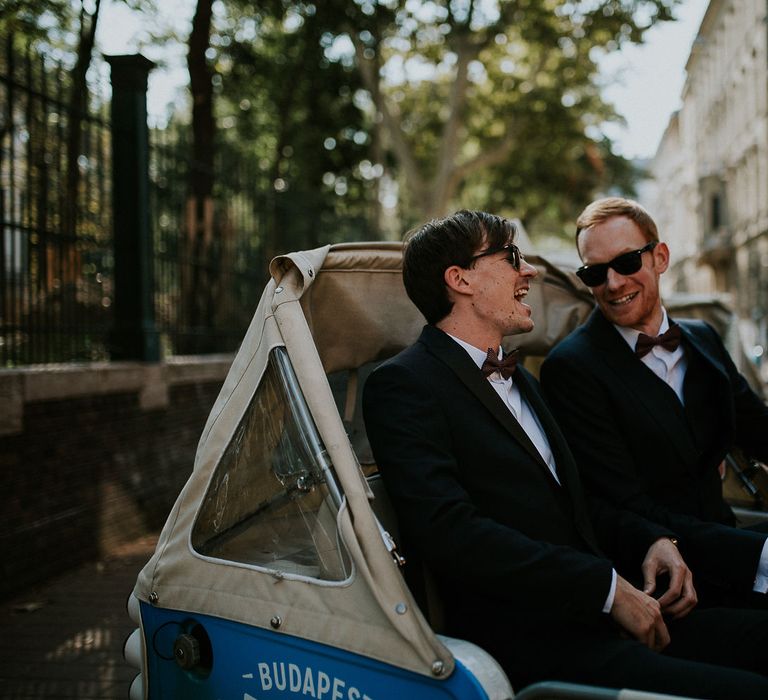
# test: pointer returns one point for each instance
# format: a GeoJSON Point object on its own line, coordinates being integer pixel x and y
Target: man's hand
{"type": "Point", "coordinates": [640, 615]}
{"type": "Point", "coordinates": [664, 557]}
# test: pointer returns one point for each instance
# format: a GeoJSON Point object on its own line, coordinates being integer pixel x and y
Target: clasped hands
{"type": "Point", "coordinates": [641, 615]}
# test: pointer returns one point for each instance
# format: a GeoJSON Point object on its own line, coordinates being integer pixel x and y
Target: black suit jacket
{"type": "Point", "coordinates": [640, 448]}
{"type": "Point", "coordinates": [513, 552]}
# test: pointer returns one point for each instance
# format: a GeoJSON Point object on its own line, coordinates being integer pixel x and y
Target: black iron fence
{"type": "Point", "coordinates": [57, 230]}
{"type": "Point", "coordinates": [209, 271]}
{"type": "Point", "coordinates": [55, 247]}
{"type": "Point", "coordinates": [103, 253]}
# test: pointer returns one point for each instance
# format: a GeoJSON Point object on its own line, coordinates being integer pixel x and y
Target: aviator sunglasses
{"type": "Point", "coordinates": [513, 254]}
{"type": "Point", "coordinates": [624, 264]}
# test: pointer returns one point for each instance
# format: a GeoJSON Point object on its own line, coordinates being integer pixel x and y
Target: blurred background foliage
{"type": "Point", "coordinates": [301, 124]}
{"type": "Point", "coordinates": [383, 113]}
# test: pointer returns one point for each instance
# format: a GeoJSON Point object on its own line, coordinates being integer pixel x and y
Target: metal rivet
{"type": "Point", "coordinates": [278, 290]}
{"type": "Point", "coordinates": [153, 598]}
{"type": "Point", "coordinates": [401, 608]}
{"type": "Point", "coordinates": [437, 668]}
{"type": "Point", "coordinates": [276, 621]}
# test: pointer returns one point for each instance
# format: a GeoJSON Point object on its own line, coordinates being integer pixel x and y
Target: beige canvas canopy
{"type": "Point", "coordinates": [275, 526]}
{"type": "Point", "coordinates": [333, 309]}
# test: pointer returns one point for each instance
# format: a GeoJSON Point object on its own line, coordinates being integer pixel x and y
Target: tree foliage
{"type": "Point", "coordinates": [31, 19]}
{"type": "Point", "coordinates": [371, 115]}
{"type": "Point", "coordinates": [494, 104]}
{"type": "Point", "coordinates": [352, 105]}
{"type": "Point", "coordinates": [280, 99]}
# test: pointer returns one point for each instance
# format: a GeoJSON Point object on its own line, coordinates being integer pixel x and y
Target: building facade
{"type": "Point", "coordinates": [710, 173]}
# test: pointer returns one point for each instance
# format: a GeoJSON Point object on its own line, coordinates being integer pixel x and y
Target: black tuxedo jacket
{"type": "Point", "coordinates": [513, 552]}
{"type": "Point", "coordinates": [639, 447]}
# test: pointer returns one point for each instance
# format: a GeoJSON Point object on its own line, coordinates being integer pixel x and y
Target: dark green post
{"type": "Point", "coordinates": [134, 336]}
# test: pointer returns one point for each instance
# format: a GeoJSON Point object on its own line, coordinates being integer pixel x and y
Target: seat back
{"type": "Point", "coordinates": [417, 575]}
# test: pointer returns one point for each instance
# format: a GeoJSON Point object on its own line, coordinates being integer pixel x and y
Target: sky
{"type": "Point", "coordinates": [643, 82]}
{"type": "Point", "coordinates": [648, 80]}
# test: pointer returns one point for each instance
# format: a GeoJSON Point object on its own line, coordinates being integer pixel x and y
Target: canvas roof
{"type": "Point", "coordinates": [361, 615]}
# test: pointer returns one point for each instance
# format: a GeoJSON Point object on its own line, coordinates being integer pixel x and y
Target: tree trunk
{"type": "Point", "coordinates": [431, 197]}
{"type": "Point", "coordinates": [78, 107]}
{"type": "Point", "coordinates": [199, 269]}
{"type": "Point", "coordinates": [201, 85]}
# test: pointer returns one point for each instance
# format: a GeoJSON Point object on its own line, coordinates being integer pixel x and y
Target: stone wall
{"type": "Point", "coordinates": [94, 456]}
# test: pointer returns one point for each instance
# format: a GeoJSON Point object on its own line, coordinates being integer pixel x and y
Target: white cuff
{"type": "Point", "coordinates": [612, 592]}
{"type": "Point", "coordinates": [761, 579]}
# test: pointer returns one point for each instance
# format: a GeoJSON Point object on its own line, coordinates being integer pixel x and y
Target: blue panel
{"type": "Point", "coordinates": [250, 663]}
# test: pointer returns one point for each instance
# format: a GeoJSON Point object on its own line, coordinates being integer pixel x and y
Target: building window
{"type": "Point", "coordinates": [716, 215]}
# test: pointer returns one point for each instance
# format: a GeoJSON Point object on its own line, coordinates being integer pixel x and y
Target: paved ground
{"type": "Point", "coordinates": [65, 639]}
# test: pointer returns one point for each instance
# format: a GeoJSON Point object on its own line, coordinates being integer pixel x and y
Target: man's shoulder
{"type": "Point", "coordinates": [412, 362]}
{"type": "Point", "coordinates": [705, 338]}
{"type": "Point", "coordinates": [699, 328]}
{"type": "Point", "coordinates": [575, 356]}
{"type": "Point", "coordinates": [577, 344]}
{"type": "Point", "coordinates": [409, 357]}
{"type": "Point", "coordinates": [425, 353]}
{"type": "Point", "coordinates": [410, 380]}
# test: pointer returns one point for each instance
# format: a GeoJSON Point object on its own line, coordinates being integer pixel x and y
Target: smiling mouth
{"type": "Point", "coordinates": [621, 301]}
{"type": "Point", "coordinates": [520, 294]}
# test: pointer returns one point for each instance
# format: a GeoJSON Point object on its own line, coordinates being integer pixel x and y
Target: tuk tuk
{"type": "Point", "coordinates": [277, 573]}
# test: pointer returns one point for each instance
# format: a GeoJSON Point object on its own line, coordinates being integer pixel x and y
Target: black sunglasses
{"type": "Point", "coordinates": [624, 264]}
{"type": "Point", "coordinates": [513, 254]}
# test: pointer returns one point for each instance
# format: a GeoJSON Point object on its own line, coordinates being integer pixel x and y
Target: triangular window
{"type": "Point", "coordinates": [273, 498]}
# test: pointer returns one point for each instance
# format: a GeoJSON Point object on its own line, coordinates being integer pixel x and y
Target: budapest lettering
{"type": "Point", "coordinates": [308, 682]}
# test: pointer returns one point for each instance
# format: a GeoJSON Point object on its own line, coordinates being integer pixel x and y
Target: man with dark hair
{"type": "Point", "coordinates": [650, 406]}
{"type": "Point", "coordinates": [488, 496]}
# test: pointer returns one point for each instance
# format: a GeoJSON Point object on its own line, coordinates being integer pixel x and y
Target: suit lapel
{"type": "Point", "coordinates": [449, 352]}
{"type": "Point", "coordinates": [640, 384]}
{"type": "Point", "coordinates": [560, 449]}
{"type": "Point", "coordinates": [696, 345]}
{"type": "Point", "coordinates": [566, 467]}
{"type": "Point", "coordinates": [705, 378]}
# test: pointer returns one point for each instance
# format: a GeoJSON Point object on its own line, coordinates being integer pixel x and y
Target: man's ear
{"type": "Point", "coordinates": [661, 257]}
{"type": "Point", "coordinates": [456, 280]}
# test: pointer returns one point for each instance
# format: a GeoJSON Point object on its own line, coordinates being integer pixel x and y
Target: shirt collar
{"type": "Point", "coordinates": [478, 356]}
{"type": "Point", "coordinates": [631, 335]}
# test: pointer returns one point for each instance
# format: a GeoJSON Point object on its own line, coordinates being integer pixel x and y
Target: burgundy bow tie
{"type": "Point", "coordinates": [670, 340]}
{"type": "Point", "coordinates": [505, 367]}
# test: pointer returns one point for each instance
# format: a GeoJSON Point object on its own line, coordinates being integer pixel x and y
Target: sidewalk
{"type": "Point", "coordinates": [64, 639]}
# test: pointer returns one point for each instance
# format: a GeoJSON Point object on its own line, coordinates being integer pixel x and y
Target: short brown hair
{"type": "Point", "coordinates": [603, 209]}
{"type": "Point", "coordinates": [432, 248]}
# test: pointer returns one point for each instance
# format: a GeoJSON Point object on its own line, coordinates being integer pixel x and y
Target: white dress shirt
{"type": "Point", "coordinates": [670, 367]}
{"type": "Point", "coordinates": [529, 422]}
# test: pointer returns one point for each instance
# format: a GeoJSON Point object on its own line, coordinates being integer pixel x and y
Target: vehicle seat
{"type": "Point", "coordinates": [418, 577]}
{"type": "Point", "coordinates": [347, 388]}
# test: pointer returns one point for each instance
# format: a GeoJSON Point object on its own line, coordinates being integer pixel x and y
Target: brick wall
{"type": "Point", "coordinates": [93, 457]}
